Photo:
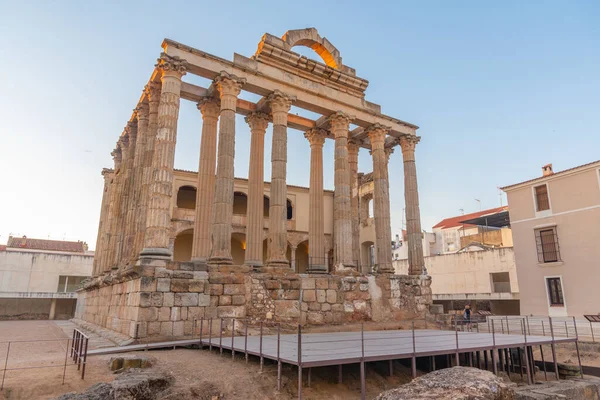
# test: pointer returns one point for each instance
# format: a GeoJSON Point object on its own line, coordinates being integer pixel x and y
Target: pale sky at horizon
{"type": "Point", "coordinates": [498, 90]}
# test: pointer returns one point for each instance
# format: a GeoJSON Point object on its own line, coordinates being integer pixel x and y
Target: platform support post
{"type": "Point", "coordinates": [553, 346]}
{"type": "Point", "coordinates": [457, 355]}
{"type": "Point", "coordinates": [543, 363]}
{"type": "Point", "coordinates": [494, 364]}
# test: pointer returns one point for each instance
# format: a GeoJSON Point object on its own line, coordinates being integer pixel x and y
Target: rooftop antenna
{"type": "Point", "coordinates": [500, 195]}
{"type": "Point", "coordinates": [462, 211]}
{"type": "Point", "coordinates": [479, 201]}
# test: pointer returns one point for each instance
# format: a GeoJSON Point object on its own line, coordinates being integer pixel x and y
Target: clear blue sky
{"type": "Point", "coordinates": [498, 89]}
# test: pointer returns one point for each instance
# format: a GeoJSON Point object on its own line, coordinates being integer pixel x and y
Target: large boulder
{"type": "Point", "coordinates": [457, 383]}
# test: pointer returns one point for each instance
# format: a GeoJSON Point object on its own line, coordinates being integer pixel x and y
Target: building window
{"type": "Point", "coordinates": [67, 284]}
{"type": "Point", "coordinates": [541, 198]}
{"type": "Point", "coordinates": [547, 245]}
{"type": "Point", "coordinates": [555, 293]}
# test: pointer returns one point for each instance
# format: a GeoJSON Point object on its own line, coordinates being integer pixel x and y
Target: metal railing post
{"type": "Point", "coordinates": [246, 341]}
{"type": "Point", "coordinates": [232, 338]}
{"type": "Point", "coordinates": [278, 358]}
{"type": "Point", "coordinates": [221, 337]}
{"type": "Point", "coordinates": [413, 360]}
{"type": "Point", "coordinates": [363, 385]}
{"type": "Point", "coordinates": [494, 365]}
{"type": "Point", "coordinates": [65, 365]}
{"type": "Point", "coordinates": [507, 326]}
{"type": "Point", "coordinates": [5, 366]}
{"type": "Point", "coordinates": [84, 358]}
{"type": "Point", "coordinates": [261, 343]}
{"type": "Point", "coordinates": [592, 331]}
{"type": "Point", "coordinates": [210, 324]}
{"type": "Point", "coordinates": [457, 355]}
{"type": "Point", "coordinates": [543, 329]}
{"type": "Point", "coordinates": [299, 362]}
{"type": "Point", "coordinates": [201, 329]}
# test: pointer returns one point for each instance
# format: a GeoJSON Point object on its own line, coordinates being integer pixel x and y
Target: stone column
{"type": "Point", "coordinates": [342, 210]}
{"type": "Point", "coordinates": [158, 219]}
{"type": "Point", "coordinates": [129, 207]}
{"type": "Point", "coordinates": [293, 257]}
{"type": "Point", "coordinates": [123, 177]}
{"type": "Point", "coordinates": [152, 91]}
{"type": "Point", "coordinates": [280, 104]}
{"type": "Point", "coordinates": [115, 206]}
{"type": "Point", "coordinates": [353, 162]}
{"type": "Point", "coordinates": [137, 234]}
{"type": "Point", "coordinates": [416, 264]}
{"type": "Point", "coordinates": [254, 229]}
{"type": "Point", "coordinates": [381, 199]}
{"type": "Point", "coordinates": [317, 262]}
{"type": "Point", "coordinates": [103, 224]}
{"type": "Point", "coordinates": [229, 87]}
{"type": "Point", "coordinates": [205, 194]}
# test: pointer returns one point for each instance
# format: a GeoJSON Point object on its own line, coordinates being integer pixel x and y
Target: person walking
{"type": "Point", "coordinates": [467, 317]}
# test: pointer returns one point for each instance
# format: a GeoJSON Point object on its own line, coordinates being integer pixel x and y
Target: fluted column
{"type": "Point", "coordinates": [205, 194]}
{"type": "Point", "coordinates": [125, 184]}
{"type": "Point", "coordinates": [103, 224]}
{"type": "Point", "coordinates": [254, 229]}
{"type": "Point", "coordinates": [317, 262]}
{"type": "Point", "coordinates": [342, 210]}
{"type": "Point", "coordinates": [353, 162]}
{"type": "Point", "coordinates": [381, 199]}
{"type": "Point", "coordinates": [158, 219]}
{"type": "Point", "coordinates": [280, 104]}
{"type": "Point", "coordinates": [416, 264]}
{"type": "Point", "coordinates": [152, 91]}
{"type": "Point", "coordinates": [229, 87]}
{"type": "Point", "coordinates": [115, 206]}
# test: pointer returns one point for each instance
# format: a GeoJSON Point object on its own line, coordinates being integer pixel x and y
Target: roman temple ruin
{"type": "Point", "coordinates": [175, 246]}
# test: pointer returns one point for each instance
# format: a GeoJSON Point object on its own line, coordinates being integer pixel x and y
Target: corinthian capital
{"type": "Point", "coordinates": [340, 120]}
{"type": "Point", "coordinates": [408, 143]}
{"type": "Point", "coordinates": [388, 152]}
{"type": "Point", "coordinates": [258, 121]}
{"type": "Point", "coordinates": [315, 136]}
{"type": "Point", "coordinates": [142, 110]}
{"type": "Point", "coordinates": [280, 102]}
{"type": "Point", "coordinates": [229, 84]}
{"type": "Point", "coordinates": [209, 107]}
{"type": "Point", "coordinates": [376, 133]}
{"type": "Point", "coordinates": [171, 64]}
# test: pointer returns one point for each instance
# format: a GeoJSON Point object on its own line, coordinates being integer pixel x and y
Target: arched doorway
{"type": "Point", "coordinates": [290, 210]}
{"type": "Point", "coordinates": [302, 257]}
{"type": "Point", "coordinates": [238, 248]}
{"type": "Point", "coordinates": [186, 197]}
{"type": "Point", "coordinates": [367, 252]}
{"type": "Point", "coordinates": [182, 248]}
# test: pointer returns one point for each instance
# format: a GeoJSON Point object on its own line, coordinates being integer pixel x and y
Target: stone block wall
{"type": "Point", "coordinates": [163, 299]}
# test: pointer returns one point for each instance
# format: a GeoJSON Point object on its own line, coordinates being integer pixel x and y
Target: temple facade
{"type": "Point", "coordinates": [175, 246]}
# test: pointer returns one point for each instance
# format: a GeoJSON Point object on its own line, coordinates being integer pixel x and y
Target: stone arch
{"type": "Point", "coordinates": [182, 247]}
{"type": "Point", "coordinates": [310, 37]}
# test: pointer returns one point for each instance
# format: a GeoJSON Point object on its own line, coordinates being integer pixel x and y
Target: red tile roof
{"type": "Point", "coordinates": [48, 245]}
{"type": "Point", "coordinates": [455, 221]}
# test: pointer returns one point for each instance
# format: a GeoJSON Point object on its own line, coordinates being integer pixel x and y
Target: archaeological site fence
{"type": "Point", "coordinates": [22, 355]}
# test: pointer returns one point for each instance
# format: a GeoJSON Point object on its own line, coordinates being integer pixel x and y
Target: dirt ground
{"type": "Point", "coordinates": [209, 374]}
{"type": "Point", "coordinates": [567, 353]}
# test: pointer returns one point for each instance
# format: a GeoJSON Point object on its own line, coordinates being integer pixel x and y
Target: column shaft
{"type": "Point", "coordinates": [152, 90]}
{"type": "Point", "coordinates": [342, 212]}
{"type": "Point", "coordinates": [135, 233]}
{"type": "Point", "coordinates": [123, 198]}
{"type": "Point", "coordinates": [158, 221]}
{"type": "Point", "coordinates": [103, 224]}
{"type": "Point", "coordinates": [381, 199]}
{"type": "Point", "coordinates": [205, 194]}
{"type": "Point", "coordinates": [229, 87]}
{"type": "Point", "coordinates": [255, 222]}
{"type": "Point", "coordinates": [353, 162]}
{"type": "Point", "coordinates": [111, 236]}
{"type": "Point", "coordinates": [280, 104]}
{"type": "Point", "coordinates": [317, 261]}
{"type": "Point", "coordinates": [416, 263]}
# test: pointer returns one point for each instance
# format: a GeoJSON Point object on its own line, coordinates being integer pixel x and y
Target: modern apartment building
{"type": "Point", "coordinates": [555, 223]}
